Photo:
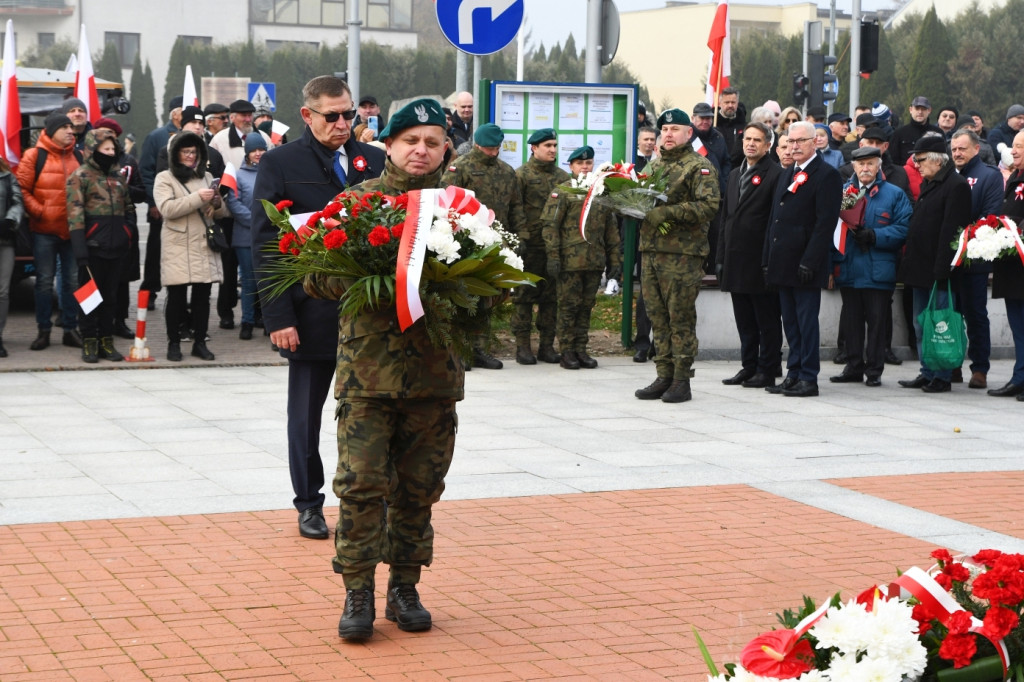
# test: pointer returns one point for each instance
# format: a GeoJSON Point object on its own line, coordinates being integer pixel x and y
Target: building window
{"type": "Point", "coordinates": [377, 14]}
{"type": "Point", "coordinates": [196, 41]}
{"type": "Point", "coordinates": [47, 40]}
{"type": "Point", "coordinates": [275, 45]}
{"type": "Point", "coordinates": [127, 45]}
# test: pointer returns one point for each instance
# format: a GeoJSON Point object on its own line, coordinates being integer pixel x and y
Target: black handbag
{"type": "Point", "coordinates": [215, 237]}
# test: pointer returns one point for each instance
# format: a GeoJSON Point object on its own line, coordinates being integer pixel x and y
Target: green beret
{"type": "Point", "coordinates": [419, 112]}
{"type": "Point", "coordinates": [673, 116]}
{"type": "Point", "coordinates": [488, 135]}
{"type": "Point", "coordinates": [542, 135]}
{"type": "Point", "coordinates": [584, 153]}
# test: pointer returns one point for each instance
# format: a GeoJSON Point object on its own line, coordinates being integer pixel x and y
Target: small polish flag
{"type": "Point", "coordinates": [88, 296]}
{"type": "Point", "coordinates": [230, 177]}
{"type": "Point", "coordinates": [699, 147]}
{"type": "Point", "coordinates": [277, 131]}
{"type": "Point", "coordinates": [188, 93]}
{"type": "Point", "coordinates": [839, 236]}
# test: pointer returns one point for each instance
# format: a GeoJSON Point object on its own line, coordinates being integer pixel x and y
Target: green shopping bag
{"type": "Point", "coordinates": [943, 336]}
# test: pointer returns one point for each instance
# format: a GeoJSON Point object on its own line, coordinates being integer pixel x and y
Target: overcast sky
{"type": "Point", "coordinates": [551, 21]}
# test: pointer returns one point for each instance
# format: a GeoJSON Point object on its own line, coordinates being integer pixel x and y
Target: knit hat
{"type": "Point", "coordinates": [881, 112]}
{"type": "Point", "coordinates": [488, 135]}
{"type": "Point", "coordinates": [72, 103]}
{"type": "Point", "coordinates": [55, 122]}
{"type": "Point", "coordinates": [1014, 110]}
{"type": "Point", "coordinates": [190, 113]}
{"type": "Point", "coordinates": [109, 124]}
{"type": "Point", "coordinates": [253, 142]}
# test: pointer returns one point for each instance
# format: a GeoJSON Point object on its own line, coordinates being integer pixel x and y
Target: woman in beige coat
{"type": "Point", "coordinates": [186, 200]}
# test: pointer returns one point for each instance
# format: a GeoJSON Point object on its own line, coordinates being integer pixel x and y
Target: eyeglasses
{"type": "Point", "coordinates": [799, 140]}
{"type": "Point", "coordinates": [920, 159]}
{"type": "Point", "coordinates": [189, 152]}
{"type": "Point", "coordinates": [333, 116]}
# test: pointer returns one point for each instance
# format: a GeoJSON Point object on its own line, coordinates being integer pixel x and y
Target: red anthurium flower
{"type": "Point", "coordinates": [282, 205]}
{"type": "Point", "coordinates": [779, 653]}
{"type": "Point", "coordinates": [869, 596]}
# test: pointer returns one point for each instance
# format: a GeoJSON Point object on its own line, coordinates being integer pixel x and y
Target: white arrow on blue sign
{"type": "Point", "coordinates": [479, 27]}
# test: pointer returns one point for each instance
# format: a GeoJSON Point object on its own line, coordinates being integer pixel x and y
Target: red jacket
{"type": "Point", "coordinates": [46, 196]}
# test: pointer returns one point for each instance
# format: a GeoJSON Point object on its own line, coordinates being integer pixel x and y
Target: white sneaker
{"type": "Point", "coordinates": [612, 288]}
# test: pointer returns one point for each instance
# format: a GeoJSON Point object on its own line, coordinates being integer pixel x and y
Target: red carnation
{"type": "Point", "coordinates": [401, 201]}
{"type": "Point", "coordinates": [354, 210]}
{"type": "Point", "coordinates": [923, 618]}
{"type": "Point", "coordinates": [999, 622]}
{"type": "Point", "coordinates": [282, 205]}
{"type": "Point", "coordinates": [286, 243]}
{"type": "Point", "coordinates": [942, 555]}
{"type": "Point", "coordinates": [397, 230]}
{"type": "Point", "coordinates": [332, 208]}
{"type": "Point", "coordinates": [987, 557]}
{"type": "Point", "coordinates": [335, 239]}
{"type": "Point", "coordinates": [379, 236]}
{"type": "Point", "coordinates": [958, 648]}
{"type": "Point", "coordinates": [313, 218]}
{"type": "Point", "coordinates": [959, 623]}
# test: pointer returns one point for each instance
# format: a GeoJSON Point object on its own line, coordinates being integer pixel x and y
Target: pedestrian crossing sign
{"type": "Point", "coordinates": [263, 95]}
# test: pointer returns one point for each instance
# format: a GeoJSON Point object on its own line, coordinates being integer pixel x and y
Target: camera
{"type": "Point", "coordinates": [116, 102]}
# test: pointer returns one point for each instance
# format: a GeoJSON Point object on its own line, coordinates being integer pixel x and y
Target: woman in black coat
{"type": "Point", "coordinates": [1008, 275]}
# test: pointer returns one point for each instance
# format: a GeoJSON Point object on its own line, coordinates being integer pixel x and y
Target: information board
{"type": "Point", "coordinates": [597, 114]}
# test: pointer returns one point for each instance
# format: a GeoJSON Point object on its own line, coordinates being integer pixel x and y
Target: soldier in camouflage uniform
{"type": "Point", "coordinates": [577, 262]}
{"type": "Point", "coordinates": [536, 178]}
{"type": "Point", "coordinates": [396, 414]}
{"type": "Point", "coordinates": [674, 243]}
{"type": "Point", "coordinates": [493, 182]}
{"type": "Point", "coordinates": [101, 220]}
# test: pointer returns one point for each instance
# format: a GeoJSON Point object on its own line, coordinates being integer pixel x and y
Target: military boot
{"type": "Point", "coordinates": [108, 351]}
{"type": "Point", "coordinates": [569, 360]}
{"type": "Point", "coordinates": [90, 350]}
{"type": "Point", "coordinates": [404, 607]}
{"type": "Point", "coordinates": [678, 392]}
{"type": "Point", "coordinates": [524, 354]}
{"type": "Point", "coordinates": [655, 390]}
{"type": "Point", "coordinates": [546, 353]}
{"type": "Point", "coordinates": [586, 362]}
{"type": "Point", "coordinates": [356, 624]}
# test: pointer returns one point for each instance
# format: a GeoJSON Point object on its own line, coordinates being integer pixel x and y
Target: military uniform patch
{"type": "Point", "coordinates": [705, 171]}
{"type": "Point", "coordinates": [452, 169]}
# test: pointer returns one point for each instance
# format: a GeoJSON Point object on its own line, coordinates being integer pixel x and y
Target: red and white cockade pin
{"type": "Point", "coordinates": [756, 180]}
{"type": "Point", "coordinates": [359, 163]}
{"type": "Point", "coordinates": [799, 179]}
{"type": "Point", "coordinates": [1018, 194]}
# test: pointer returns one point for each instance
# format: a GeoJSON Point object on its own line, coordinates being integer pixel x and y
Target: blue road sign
{"type": "Point", "coordinates": [263, 95]}
{"type": "Point", "coordinates": [479, 27]}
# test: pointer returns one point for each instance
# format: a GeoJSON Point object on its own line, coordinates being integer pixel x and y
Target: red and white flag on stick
{"type": "Point", "coordinates": [277, 131]}
{"type": "Point", "coordinates": [10, 108]}
{"type": "Point", "coordinates": [698, 146]}
{"type": "Point", "coordinates": [230, 177]}
{"type": "Point", "coordinates": [189, 97]}
{"type": "Point", "coordinates": [85, 81]}
{"type": "Point", "coordinates": [719, 70]}
{"type": "Point", "coordinates": [88, 296]}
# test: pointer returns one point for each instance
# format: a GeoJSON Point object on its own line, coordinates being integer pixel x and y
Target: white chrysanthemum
{"type": "Point", "coordinates": [869, 670]}
{"type": "Point", "coordinates": [444, 245]}
{"type": "Point", "coordinates": [512, 258]}
{"type": "Point", "coordinates": [843, 628]}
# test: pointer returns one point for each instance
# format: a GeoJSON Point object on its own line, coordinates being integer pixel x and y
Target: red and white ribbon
{"type": "Point", "coordinates": [411, 255]}
{"type": "Point", "coordinates": [798, 179]}
{"type": "Point", "coordinates": [961, 248]}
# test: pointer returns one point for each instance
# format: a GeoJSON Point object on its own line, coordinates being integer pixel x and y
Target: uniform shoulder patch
{"type": "Point", "coordinates": [452, 168]}
{"type": "Point", "coordinates": [705, 171]}
{"type": "Point", "coordinates": [554, 195]}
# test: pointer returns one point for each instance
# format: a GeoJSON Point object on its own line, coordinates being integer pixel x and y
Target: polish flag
{"type": "Point", "coordinates": [10, 109]}
{"type": "Point", "coordinates": [277, 131]}
{"type": "Point", "coordinates": [88, 296]}
{"type": "Point", "coordinates": [839, 236]}
{"type": "Point", "coordinates": [719, 70]}
{"type": "Point", "coordinates": [85, 81]}
{"type": "Point", "coordinates": [698, 146]}
{"type": "Point", "coordinates": [189, 96]}
{"type": "Point", "coordinates": [230, 178]}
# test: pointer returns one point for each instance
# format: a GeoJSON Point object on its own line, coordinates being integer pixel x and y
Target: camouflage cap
{"type": "Point", "coordinates": [584, 153]}
{"type": "Point", "coordinates": [673, 116]}
{"type": "Point", "coordinates": [419, 112]}
{"type": "Point", "coordinates": [488, 135]}
{"type": "Point", "coordinates": [542, 135]}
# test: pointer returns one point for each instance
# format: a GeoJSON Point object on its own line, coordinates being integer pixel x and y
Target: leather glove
{"type": "Point", "coordinates": [865, 237]}
{"type": "Point", "coordinates": [554, 268]}
{"type": "Point", "coordinates": [805, 274]}
{"type": "Point", "coordinates": [8, 228]}
{"type": "Point", "coordinates": [153, 213]}
{"type": "Point", "coordinates": [719, 268]}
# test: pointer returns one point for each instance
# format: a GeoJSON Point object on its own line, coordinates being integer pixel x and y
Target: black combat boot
{"type": "Point", "coordinates": [90, 350]}
{"type": "Point", "coordinates": [655, 390]}
{"type": "Point", "coordinates": [586, 362]}
{"type": "Point", "coordinates": [42, 340]}
{"type": "Point", "coordinates": [546, 353]}
{"type": "Point", "coordinates": [404, 607]}
{"type": "Point", "coordinates": [108, 351]}
{"type": "Point", "coordinates": [678, 392]}
{"type": "Point", "coordinates": [356, 624]}
{"type": "Point", "coordinates": [485, 360]}
{"type": "Point", "coordinates": [199, 350]}
{"type": "Point", "coordinates": [569, 360]}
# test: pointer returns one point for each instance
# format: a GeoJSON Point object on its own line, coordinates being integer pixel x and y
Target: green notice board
{"type": "Point", "coordinates": [600, 115]}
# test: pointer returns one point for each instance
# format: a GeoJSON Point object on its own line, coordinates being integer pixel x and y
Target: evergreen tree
{"type": "Point", "coordinates": [927, 74]}
{"type": "Point", "coordinates": [570, 48]}
{"type": "Point", "coordinates": [142, 117]}
{"type": "Point", "coordinates": [108, 66]}
{"type": "Point", "coordinates": [175, 74]}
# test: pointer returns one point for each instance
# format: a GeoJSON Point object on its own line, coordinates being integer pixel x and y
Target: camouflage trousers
{"type": "Point", "coordinates": [671, 282]}
{"type": "Point", "coordinates": [393, 455]}
{"type": "Point", "coordinates": [542, 295]}
{"type": "Point", "coordinates": [577, 295]}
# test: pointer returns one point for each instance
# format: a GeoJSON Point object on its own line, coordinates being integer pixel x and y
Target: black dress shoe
{"type": "Point", "coordinates": [890, 358]}
{"type": "Point", "coordinates": [640, 355]}
{"type": "Point", "coordinates": [245, 333]}
{"type": "Point", "coordinates": [312, 524]}
{"type": "Point", "coordinates": [787, 383]}
{"type": "Point", "coordinates": [546, 353]}
{"type": "Point", "coordinates": [1007, 391]}
{"type": "Point", "coordinates": [655, 390]}
{"type": "Point", "coordinates": [586, 362]}
{"type": "Point", "coordinates": [920, 381]}
{"type": "Point", "coordinates": [227, 323]}
{"type": "Point", "coordinates": [937, 386]}
{"type": "Point", "coordinates": [873, 381]}
{"type": "Point", "coordinates": [847, 378]}
{"type": "Point", "coordinates": [841, 357]}
{"type": "Point", "coordinates": [404, 607]}
{"type": "Point", "coordinates": [122, 330]}
{"type": "Point", "coordinates": [72, 338]}
{"type": "Point", "coordinates": [759, 380]}
{"type": "Point", "coordinates": [739, 377]}
{"type": "Point", "coordinates": [174, 351]}
{"type": "Point", "coordinates": [356, 624]}
{"type": "Point", "coordinates": [802, 389]}
{"type": "Point", "coordinates": [569, 360]}
{"type": "Point", "coordinates": [1021, 397]}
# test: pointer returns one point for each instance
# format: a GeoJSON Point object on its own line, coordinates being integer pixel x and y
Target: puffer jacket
{"type": "Point", "coordinates": [185, 257]}
{"type": "Point", "coordinates": [45, 196]}
{"type": "Point", "coordinates": [101, 214]}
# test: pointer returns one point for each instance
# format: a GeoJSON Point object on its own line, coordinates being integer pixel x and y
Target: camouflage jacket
{"type": "Point", "coordinates": [101, 214]}
{"type": "Point", "coordinates": [375, 358]}
{"type": "Point", "coordinates": [493, 182]}
{"type": "Point", "coordinates": [681, 224]}
{"type": "Point", "coordinates": [536, 179]}
{"type": "Point", "coordinates": [563, 241]}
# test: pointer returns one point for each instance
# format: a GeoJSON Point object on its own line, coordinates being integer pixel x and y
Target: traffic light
{"type": "Point", "coordinates": [800, 82]}
{"type": "Point", "coordinates": [830, 79]}
{"type": "Point", "coordinates": [824, 85]}
{"type": "Point", "coordinates": [868, 46]}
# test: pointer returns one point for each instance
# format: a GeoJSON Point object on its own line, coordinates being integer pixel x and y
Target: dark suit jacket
{"type": "Point", "coordinates": [302, 171]}
{"type": "Point", "coordinates": [744, 226]}
{"type": "Point", "coordinates": [801, 226]}
{"type": "Point", "coordinates": [1008, 273]}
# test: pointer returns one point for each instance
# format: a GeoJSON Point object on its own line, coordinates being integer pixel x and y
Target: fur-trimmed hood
{"type": "Point", "coordinates": [181, 141]}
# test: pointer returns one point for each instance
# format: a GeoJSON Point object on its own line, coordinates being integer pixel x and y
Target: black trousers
{"type": "Point", "coordinates": [759, 323]}
{"type": "Point", "coordinates": [176, 311]}
{"type": "Point", "coordinates": [866, 308]}
{"type": "Point", "coordinates": [227, 292]}
{"type": "Point", "coordinates": [107, 273]}
{"type": "Point", "coordinates": [309, 382]}
{"type": "Point", "coordinates": [151, 271]}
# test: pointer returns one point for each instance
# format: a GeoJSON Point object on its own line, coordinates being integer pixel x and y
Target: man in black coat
{"type": "Point", "coordinates": [1008, 274]}
{"type": "Point", "coordinates": [796, 255]}
{"type": "Point", "coordinates": [905, 137]}
{"type": "Point", "coordinates": [309, 172]}
{"type": "Point", "coordinates": [749, 199]}
{"type": "Point", "coordinates": [942, 209]}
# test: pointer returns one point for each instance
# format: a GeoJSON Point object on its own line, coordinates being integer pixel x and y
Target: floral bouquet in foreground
{"type": "Point", "coordinates": [960, 622]}
{"type": "Point", "coordinates": [435, 253]}
{"type": "Point", "coordinates": [989, 238]}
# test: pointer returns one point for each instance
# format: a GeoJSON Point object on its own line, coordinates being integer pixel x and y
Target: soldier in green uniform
{"type": "Point", "coordinates": [674, 243]}
{"type": "Point", "coordinates": [396, 414]}
{"type": "Point", "coordinates": [577, 262]}
{"type": "Point", "coordinates": [536, 178]}
{"type": "Point", "coordinates": [493, 182]}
